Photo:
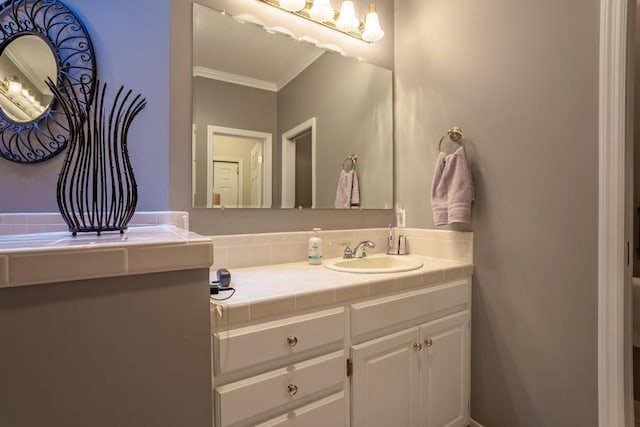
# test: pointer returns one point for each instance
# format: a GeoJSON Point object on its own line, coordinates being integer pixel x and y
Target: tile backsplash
{"type": "Point", "coordinates": [248, 250]}
{"type": "Point", "coordinates": [24, 223]}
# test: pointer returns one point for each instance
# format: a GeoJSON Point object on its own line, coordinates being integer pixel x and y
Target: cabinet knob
{"type": "Point", "coordinates": [293, 389]}
{"type": "Point", "coordinates": [292, 341]}
{"type": "Point", "coordinates": [417, 346]}
{"type": "Point", "coordinates": [428, 342]}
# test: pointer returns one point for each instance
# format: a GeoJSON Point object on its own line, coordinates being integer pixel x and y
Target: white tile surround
{"type": "Point", "coordinates": [272, 278]}
{"type": "Point", "coordinates": [249, 250]}
{"type": "Point", "coordinates": [154, 242]}
{"type": "Point", "coordinates": [45, 222]}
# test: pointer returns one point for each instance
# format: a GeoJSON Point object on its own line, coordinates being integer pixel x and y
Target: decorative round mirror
{"type": "Point", "coordinates": [40, 40]}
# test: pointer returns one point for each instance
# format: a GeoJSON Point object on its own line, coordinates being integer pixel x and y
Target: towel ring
{"type": "Point", "coordinates": [352, 159]}
{"type": "Point", "coordinates": [455, 134]}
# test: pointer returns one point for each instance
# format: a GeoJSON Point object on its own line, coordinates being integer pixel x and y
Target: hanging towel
{"type": "Point", "coordinates": [348, 192]}
{"type": "Point", "coordinates": [452, 189]}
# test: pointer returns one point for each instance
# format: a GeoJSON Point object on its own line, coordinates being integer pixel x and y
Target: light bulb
{"type": "Point", "coordinates": [293, 5]}
{"type": "Point", "coordinates": [347, 20]}
{"type": "Point", "coordinates": [15, 87]}
{"type": "Point", "coordinates": [321, 11]}
{"type": "Point", "coordinates": [372, 31]}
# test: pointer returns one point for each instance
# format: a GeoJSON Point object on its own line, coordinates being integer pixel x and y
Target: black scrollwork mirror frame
{"type": "Point", "coordinates": [62, 30]}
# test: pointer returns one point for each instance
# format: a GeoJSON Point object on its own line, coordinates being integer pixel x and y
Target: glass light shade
{"type": "Point", "coordinates": [347, 20]}
{"type": "Point", "coordinates": [293, 5]}
{"type": "Point", "coordinates": [14, 87]}
{"type": "Point", "coordinates": [321, 11]}
{"type": "Point", "coordinates": [372, 31]}
{"type": "Point", "coordinates": [25, 93]}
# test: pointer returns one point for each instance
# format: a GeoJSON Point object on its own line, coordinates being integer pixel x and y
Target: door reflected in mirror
{"type": "Point", "coordinates": [247, 78]}
{"type": "Point", "coordinates": [237, 171]}
{"type": "Point", "coordinates": [25, 65]}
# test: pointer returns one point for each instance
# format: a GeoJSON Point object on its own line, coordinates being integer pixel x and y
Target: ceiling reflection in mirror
{"type": "Point", "coordinates": [274, 120]}
{"type": "Point", "coordinates": [25, 65]}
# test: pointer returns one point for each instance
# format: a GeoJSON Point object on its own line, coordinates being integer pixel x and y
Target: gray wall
{"type": "Point", "coordinates": [521, 79]}
{"type": "Point", "coordinates": [129, 351]}
{"type": "Point", "coordinates": [216, 221]}
{"type": "Point", "coordinates": [135, 56]}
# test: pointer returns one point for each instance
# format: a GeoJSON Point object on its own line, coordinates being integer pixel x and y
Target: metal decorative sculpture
{"type": "Point", "coordinates": [96, 188]}
{"type": "Point", "coordinates": [58, 26]}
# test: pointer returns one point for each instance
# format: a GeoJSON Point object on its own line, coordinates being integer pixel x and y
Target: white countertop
{"type": "Point", "coordinates": [274, 290]}
{"type": "Point", "coordinates": [27, 259]}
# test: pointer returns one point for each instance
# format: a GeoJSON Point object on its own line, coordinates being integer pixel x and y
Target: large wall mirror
{"type": "Point", "coordinates": [279, 123]}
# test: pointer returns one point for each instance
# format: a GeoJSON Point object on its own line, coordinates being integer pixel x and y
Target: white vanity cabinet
{"type": "Point", "coordinates": [418, 376]}
{"type": "Point", "coordinates": [396, 360]}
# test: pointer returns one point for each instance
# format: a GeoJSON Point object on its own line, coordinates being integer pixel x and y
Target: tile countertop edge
{"type": "Point", "coordinates": [260, 301]}
{"type": "Point", "coordinates": [170, 252]}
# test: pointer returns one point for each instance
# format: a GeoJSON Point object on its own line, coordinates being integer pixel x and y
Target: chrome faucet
{"type": "Point", "coordinates": [365, 244]}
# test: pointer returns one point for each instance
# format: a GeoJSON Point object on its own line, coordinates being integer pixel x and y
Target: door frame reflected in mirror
{"type": "Point", "coordinates": [289, 163]}
{"type": "Point", "coordinates": [267, 147]}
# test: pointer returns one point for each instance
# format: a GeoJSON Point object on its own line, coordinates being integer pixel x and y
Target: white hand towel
{"type": "Point", "coordinates": [343, 193]}
{"type": "Point", "coordinates": [452, 189]}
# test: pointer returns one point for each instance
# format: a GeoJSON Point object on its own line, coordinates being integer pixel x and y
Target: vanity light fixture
{"type": "Point", "coordinates": [20, 97]}
{"type": "Point", "coordinates": [345, 20]}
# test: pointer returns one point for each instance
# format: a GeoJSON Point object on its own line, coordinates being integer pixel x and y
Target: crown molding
{"type": "Point", "coordinates": [209, 73]}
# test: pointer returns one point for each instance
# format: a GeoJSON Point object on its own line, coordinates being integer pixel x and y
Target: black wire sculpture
{"type": "Point", "coordinates": [47, 135]}
{"type": "Point", "coordinates": [96, 188]}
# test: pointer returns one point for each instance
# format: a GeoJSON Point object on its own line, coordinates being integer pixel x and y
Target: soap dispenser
{"type": "Point", "coordinates": [315, 248]}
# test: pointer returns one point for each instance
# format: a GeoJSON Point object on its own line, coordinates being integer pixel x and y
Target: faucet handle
{"type": "Point", "coordinates": [348, 253]}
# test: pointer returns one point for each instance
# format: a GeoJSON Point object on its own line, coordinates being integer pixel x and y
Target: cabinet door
{"type": "Point", "coordinates": [444, 371]}
{"type": "Point", "coordinates": [384, 385]}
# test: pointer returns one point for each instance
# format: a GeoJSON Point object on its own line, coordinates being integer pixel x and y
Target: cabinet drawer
{"type": "Point", "coordinates": [381, 313]}
{"type": "Point", "coordinates": [242, 347]}
{"type": "Point", "coordinates": [252, 396]}
{"type": "Point", "coordinates": [329, 411]}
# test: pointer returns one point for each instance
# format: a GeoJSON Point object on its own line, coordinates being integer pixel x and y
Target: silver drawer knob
{"type": "Point", "coordinates": [428, 342]}
{"type": "Point", "coordinates": [292, 341]}
{"type": "Point", "coordinates": [293, 389]}
{"type": "Point", "coordinates": [417, 346]}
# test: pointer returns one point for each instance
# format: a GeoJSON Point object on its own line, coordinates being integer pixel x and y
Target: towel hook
{"type": "Point", "coordinates": [455, 134]}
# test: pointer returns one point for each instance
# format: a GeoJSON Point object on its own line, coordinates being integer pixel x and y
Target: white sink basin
{"type": "Point", "coordinates": [375, 264]}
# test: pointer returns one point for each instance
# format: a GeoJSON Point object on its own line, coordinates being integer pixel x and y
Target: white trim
{"type": "Point", "coordinates": [267, 157]}
{"type": "Point", "coordinates": [209, 73]}
{"type": "Point", "coordinates": [474, 423]}
{"type": "Point", "coordinates": [611, 214]}
{"type": "Point", "coordinates": [193, 165]}
{"type": "Point", "coordinates": [289, 163]}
